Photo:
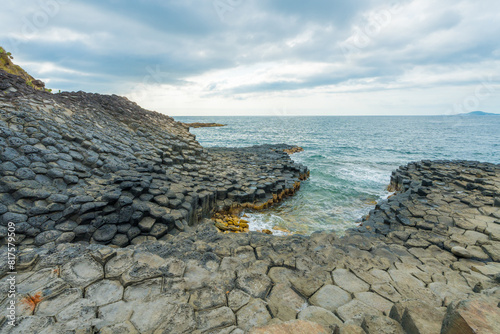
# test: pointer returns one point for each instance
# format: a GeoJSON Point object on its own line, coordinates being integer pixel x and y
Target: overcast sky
{"type": "Point", "coordinates": [266, 57]}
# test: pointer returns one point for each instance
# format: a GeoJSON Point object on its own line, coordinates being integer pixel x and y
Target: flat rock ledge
{"type": "Point", "coordinates": [425, 261]}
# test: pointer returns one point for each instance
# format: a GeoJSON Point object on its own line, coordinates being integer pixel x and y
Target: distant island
{"type": "Point", "coordinates": [202, 125]}
{"type": "Point", "coordinates": [478, 113]}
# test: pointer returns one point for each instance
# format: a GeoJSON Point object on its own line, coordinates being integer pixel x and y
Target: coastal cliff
{"type": "Point", "coordinates": [109, 203]}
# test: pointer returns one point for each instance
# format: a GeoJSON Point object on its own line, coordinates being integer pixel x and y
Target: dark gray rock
{"type": "Point", "coordinates": [105, 233]}
{"type": "Point", "coordinates": [25, 174]}
{"type": "Point", "coordinates": [46, 237]}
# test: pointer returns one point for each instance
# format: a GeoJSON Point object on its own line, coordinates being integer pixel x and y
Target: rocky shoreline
{"type": "Point", "coordinates": [425, 261]}
{"type": "Point", "coordinates": [111, 205]}
{"type": "Point", "coordinates": [79, 167]}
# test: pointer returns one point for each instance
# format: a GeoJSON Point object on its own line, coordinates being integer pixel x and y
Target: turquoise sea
{"type": "Point", "coordinates": [351, 158]}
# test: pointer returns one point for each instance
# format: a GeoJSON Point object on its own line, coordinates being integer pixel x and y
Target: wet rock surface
{"type": "Point", "coordinates": [115, 241]}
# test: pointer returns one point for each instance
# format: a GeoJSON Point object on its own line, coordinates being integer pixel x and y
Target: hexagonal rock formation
{"type": "Point", "coordinates": [97, 168]}
{"type": "Point", "coordinates": [105, 197]}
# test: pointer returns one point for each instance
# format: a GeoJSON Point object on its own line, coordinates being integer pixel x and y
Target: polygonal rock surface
{"type": "Point", "coordinates": [83, 311]}
{"type": "Point", "coordinates": [419, 317]}
{"type": "Point", "coordinates": [207, 298]}
{"type": "Point", "coordinates": [330, 297]}
{"type": "Point", "coordinates": [104, 292]}
{"type": "Point", "coordinates": [254, 314]}
{"type": "Point", "coordinates": [354, 309]}
{"type": "Point", "coordinates": [308, 282]}
{"type": "Point", "coordinates": [381, 325]}
{"type": "Point", "coordinates": [119, 264]}
{"type": "Point", "coordinates": [320, 316]}
{"type": "Point", "coordinates": [29, 324]}
{"type": "Point", "coordinates": [180, 321]}
{"type": "Point", "coordinates": [53, 306]}
{"type": "Point", "coordinates": [351, 329]}
{"type": "Point", "coordinates": [375, 301]}
{"type": "Point", "coordinates": [255, 284]}
{"type": "Point", "coordinates": [285, 303]}
{"type": "Point", "coordinates": [143, 290]}
{"type": "Point", "coordinates": [148, 316]}
{"type": "Point", "coordinates": [237, 299]}
{"type": "Point", "coordinates": [115, 313]}
{"type": "Point", "coordinates": [348, 281]}
{"type": "Point", "coordinates": [292, 327]}
{"type": "Point", "coordinates": [82, 272]}
{"type": "Point", "coordinates": [220, 317]}
{"type": "Point", "coordinates": [121, 328]}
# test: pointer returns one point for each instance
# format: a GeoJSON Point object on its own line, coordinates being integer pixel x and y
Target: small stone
{"type": "Point", "coordinates": [121, 240]}
{"type": "Point", "coordinates": [25, 174]}
{"type": "Point", "coordinates": [65, 237]}
{"type": "Point", "coordinates": [461, 252]}
{"type": "Point", "coordinates": [105, 233]}
{"type": "Point", "coordinates": [146, 224]}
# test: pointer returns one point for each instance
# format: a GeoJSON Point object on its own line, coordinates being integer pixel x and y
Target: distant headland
{"type": "Point", "coordinates": [202, 125]}
{"type": "Point", "coordinates": [477, 113]}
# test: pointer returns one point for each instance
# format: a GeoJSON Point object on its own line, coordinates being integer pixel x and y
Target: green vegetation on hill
{"type": "Point", "coordinates": [8, 66]}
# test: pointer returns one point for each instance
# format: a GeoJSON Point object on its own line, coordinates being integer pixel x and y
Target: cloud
{"type": "Point", "coordinates": [199, 55]}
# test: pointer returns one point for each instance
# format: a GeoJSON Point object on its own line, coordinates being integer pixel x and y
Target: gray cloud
{"type": "Point", "coordinates": [111, 46]}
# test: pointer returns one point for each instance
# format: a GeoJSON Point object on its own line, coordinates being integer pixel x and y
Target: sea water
{"type": "Point", "coordinates": [350, 158]}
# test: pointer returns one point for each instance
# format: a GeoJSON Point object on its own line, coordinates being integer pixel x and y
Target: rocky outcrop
{"type": "Point", "coordinates": [397, 273]}
{"type": "Point", "coordinates": [478, 315]}
{"type": "Point", "coordinates": [8, 66]}
{"type": "Point", "coordinates": [100, 169]}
